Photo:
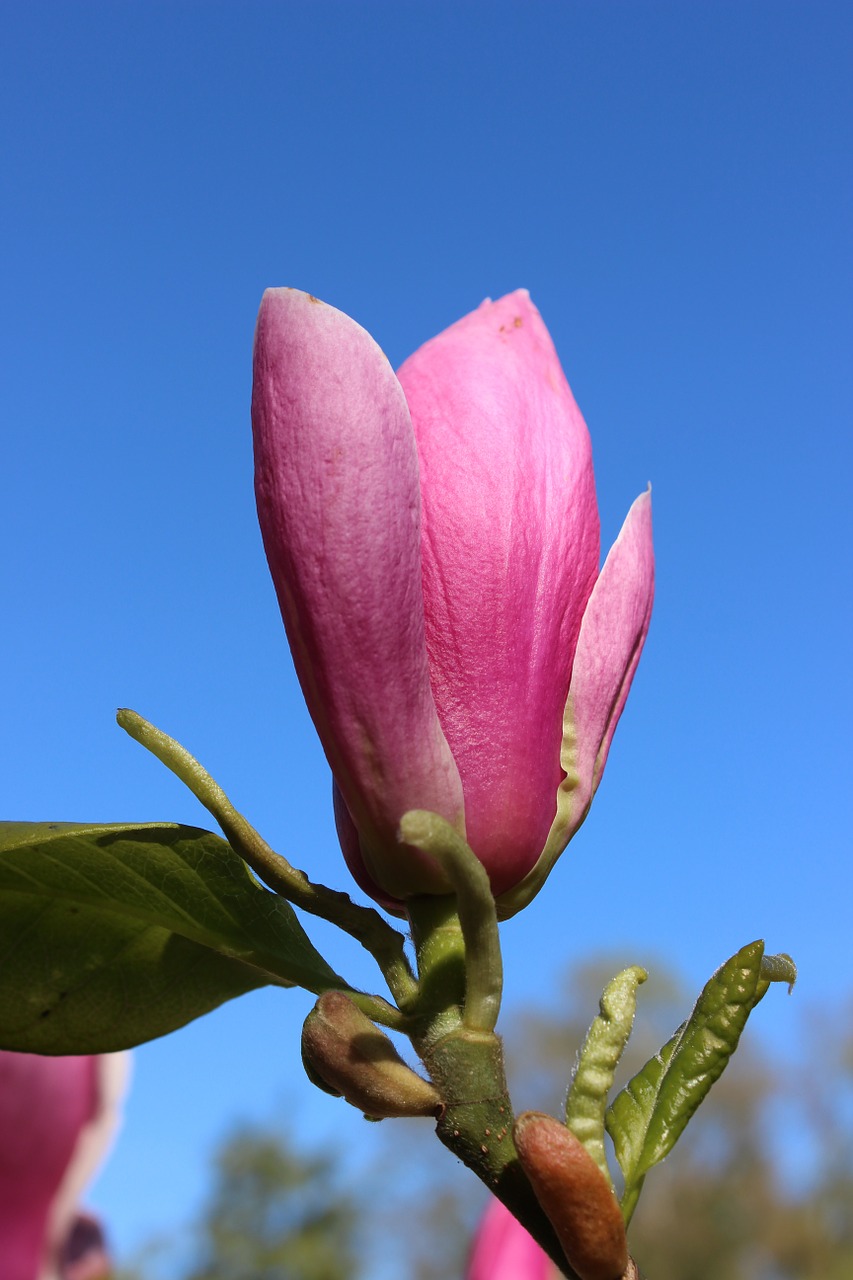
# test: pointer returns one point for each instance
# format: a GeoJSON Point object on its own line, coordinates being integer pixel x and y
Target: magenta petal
{"type": "Point", "coordinates": [44, 1105]}
{"type": "Point", "coordinates": [612, 636]}
{"type": "Point", "coordinates": [613, 631]}
{"type": "Point", "coordinates": [503, 1250]}
{"type": "Point", "coordinates": [510, 555]}
{"type": "Point", "coordinates": [336, 478]}
{"type": "Point", "coordinates": [56, 1116]}
{"type": "Point", "coordinates": [350, 843]}
{"type": "Point", "coordinates": [111, 1078]}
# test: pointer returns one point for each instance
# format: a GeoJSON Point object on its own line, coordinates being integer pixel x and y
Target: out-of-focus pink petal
{"type": "Point", "coordinates": [93, 1143]}
{"type": "Point", "coordinates": [503, 1250]}
{"type": "Point", "coordinates": [338, 502]}
{"type": "Point", "coordinates": [44, 1104]}
{"type": "Point", "coordinates": [56, 1115]}
{"type": "Point", "coordinates": [510, 556]}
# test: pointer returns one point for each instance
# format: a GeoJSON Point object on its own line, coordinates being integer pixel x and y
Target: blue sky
{"type": "Point", "coordinates": [673, 184]}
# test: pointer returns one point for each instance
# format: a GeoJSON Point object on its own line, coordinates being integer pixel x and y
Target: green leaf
{"type": "Point", "coordinates": [627, 1120]}
{"type": "Point", "coordinates": [604, 1045]}
{"type": "Point", "coordinates": [648, 1116]}
{"type": "Point", "coordinates": [113, 935]}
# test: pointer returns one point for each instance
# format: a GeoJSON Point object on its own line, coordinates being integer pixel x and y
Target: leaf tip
{"type": "Point", "coordinates": [779, 968]}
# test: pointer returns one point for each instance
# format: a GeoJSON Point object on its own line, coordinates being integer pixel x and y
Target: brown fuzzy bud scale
{"type": "Point", "coordinates": [574, 1194]}
{"type": "Point", "coordinates": [352, 1057]}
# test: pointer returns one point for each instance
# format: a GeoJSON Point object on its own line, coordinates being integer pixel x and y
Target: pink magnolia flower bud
{"type": "Point", "coordinates": [57, 1116]}
{"type": "Point", "coordinates": [503, 1250]}
{"type": "Point", "coordinates": [433, 539]}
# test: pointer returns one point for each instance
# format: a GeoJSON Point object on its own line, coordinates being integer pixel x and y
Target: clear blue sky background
{"type": "Point", "coordinates": [672, 182]}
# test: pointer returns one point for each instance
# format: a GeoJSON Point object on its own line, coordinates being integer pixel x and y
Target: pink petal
{"type": "Point", "coordinates": [351, 848]}
{"type": "Point", "coordinates": [111, 1078]}
{"type": "Point", "coordinates": [503, 1250]}
{"type": "Point", "coordinates": [338, 502]}
{"type": "Point", "coordinates": [56, 1115]}
{"type": "Point", "coordinates": [613, 632]}
{"type": "Point", "coordinates": [510, 556]}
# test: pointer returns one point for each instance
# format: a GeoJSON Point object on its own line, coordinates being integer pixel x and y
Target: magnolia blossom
{"type": "Point", "coordinates": [57, 1117]}
{"type": "Point", "coordinates": [503, 1250]}
{"type": "Point", "coordinates": [433, 538]}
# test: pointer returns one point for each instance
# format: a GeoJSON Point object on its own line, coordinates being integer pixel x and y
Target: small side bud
{"type": "Point", "coordinates": [574, 1194]}
{"type": "Point", "coordinates": [346, 1054]}
{"type": "Point", "coordinates": [313, 1074]}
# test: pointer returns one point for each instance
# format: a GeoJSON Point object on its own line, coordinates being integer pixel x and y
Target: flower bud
{"type": "Point", "coordinates": [434, 543]}
{"type": "Point", "coordinates": [347, 1054]}
{"type": "Point", "coordinates": [575, 1195]}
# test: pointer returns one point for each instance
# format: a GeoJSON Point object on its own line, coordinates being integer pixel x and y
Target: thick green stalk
{"type": "Point", "coordinates": [467, 1068]}
{"type": "Point", "coordinates": [440, 952]}
{"type": "Point", "coordinates": [474, 908]}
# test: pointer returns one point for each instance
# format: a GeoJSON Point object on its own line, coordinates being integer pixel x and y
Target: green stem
{"type": "Point", "coordinates": [440, 952]}
{"type": "Point", "coordinates": [475, 911]}
{"type": "Point", "coordinates": [362, 923]}
{"type": "Point", "coordinates": [476, 1125]}
{"type": "Point", "coordinates": [467, 1067]}
{"type": "Point", "coordinates": [377, 1009]}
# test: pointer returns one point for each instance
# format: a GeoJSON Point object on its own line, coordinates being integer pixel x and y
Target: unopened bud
{"type": "Point", "coordinates": [346, 1054]}
{"type": "Point", "coordinates": [575, 1195]}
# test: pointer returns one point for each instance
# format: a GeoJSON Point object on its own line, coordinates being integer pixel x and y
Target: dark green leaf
{"type": "Point", "coordinates": [112, 935]}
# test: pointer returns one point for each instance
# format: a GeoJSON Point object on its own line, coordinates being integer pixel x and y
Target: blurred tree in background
{"type": "Point", "coordinates": [759, 1188]}
{"type": "Point", "coordinates": [273, 1213]}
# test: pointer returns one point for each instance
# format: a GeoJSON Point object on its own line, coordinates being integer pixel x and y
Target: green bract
{"type": "Point", "coordinates": [605, 1042]}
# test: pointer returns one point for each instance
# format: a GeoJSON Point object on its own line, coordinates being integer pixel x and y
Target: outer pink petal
{"type": "Point", "coordinates": [351, 848]}
{"type": "Point", "coordinates": [55, 1117]}
{"type": "Point", "coordinates": [613, 632]}
{"type": "Point", "coordinates": [338, 500]}
{"type": "Point", "coordinates": [510, 554]}
{"type": "Point", "coordinates": [503, 1250]}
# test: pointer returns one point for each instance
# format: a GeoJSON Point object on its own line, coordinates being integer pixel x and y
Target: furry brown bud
{"type": "Point", "coordinates": [574, 1194]}
{"type": "Point", "coordinates": [352, 1057]}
